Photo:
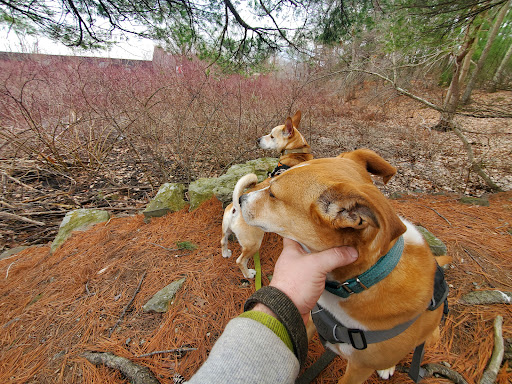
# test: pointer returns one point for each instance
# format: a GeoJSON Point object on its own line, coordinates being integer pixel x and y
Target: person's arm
{"type": "Point", "coordinates": [268, 342]}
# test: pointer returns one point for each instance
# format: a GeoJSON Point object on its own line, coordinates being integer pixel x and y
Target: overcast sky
{"type": "Point", "coordinates": [134, 49]}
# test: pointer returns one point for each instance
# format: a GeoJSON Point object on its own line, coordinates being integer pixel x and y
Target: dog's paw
{"type": "Point", "coordinates": [226, 253]}
{"type": "Point", "coordinates": [386, 373]}
{"type": "Point", "coordinates": [250, 274]}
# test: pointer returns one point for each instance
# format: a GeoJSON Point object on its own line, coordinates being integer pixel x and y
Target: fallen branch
{"type": "Point", "coordinates": [439, 369]}
{"type": "Point", "coordinates": [12, 216]}
{"type": "Point", "coordinates": [490, 374]}
{"type": "Point", "coordinates": [474, 165]}
{"type": "Point", "coordinates": [127, 306]}
{"type": "Point", "coordinates": [135, 374]}
{"type": "Point", "coordinates": [175, 350]}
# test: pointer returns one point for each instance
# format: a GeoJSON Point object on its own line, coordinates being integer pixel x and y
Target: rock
{"type": "Point", "coordinates": [12, 251]}
{"type": "Point", "coordinates": [222, 187]}
{"type": "Point", "coordinates": [161, 301]}
{"type": "Point", "coordinates": [487, 297]}
{"type": "Point", "coordinates": [200, 191]}
{"type": "Point", "coordinates": [437, 247]}
{"type": "Point", "coordinates": [170, 198]}
{"type": "Point", "coordinates": [483, 201]}
{"type": "Point", "coordinates": [78, 220]}
{"type": "Point", "coordinates": [397, 195]}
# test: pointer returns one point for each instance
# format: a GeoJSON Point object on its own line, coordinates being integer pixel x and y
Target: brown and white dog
{"type": "Point", "coordinates": [327, 203]}
{"type": "Point", "coordinates": [294, 150]}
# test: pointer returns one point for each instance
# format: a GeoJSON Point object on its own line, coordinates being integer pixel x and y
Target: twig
{"type": "Point", "coordinates": [490, 374]}
{"type": "Point", "coordinates": [179, 350]}
{"type": "Point", "coordinates": [7, 204]}
{"type": "Point", "coordinates": [127, 306]}
{"type": "Point", "coordinates": [8, 268]}
{"type": "Point", "coordinates": [49, 213]}
{"type": "Point", "coordinates": [17, 181]}
{"type": "Point", "coordinates": [87, 289]}
{"type": "Point", "coordinates": [473, 257]}
{"type": "Point", "coordinates": [12, 216]}
{"type": "Point", "coordinates": [135, 374]}
{"type": "Point", "coordinates": [441, 216]}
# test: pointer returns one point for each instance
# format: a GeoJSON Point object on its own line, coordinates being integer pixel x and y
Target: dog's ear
{"type": "Point", "coordinates": [296, 119]}
{"type": "Point", "coordinates": [373, 163]}
{"type": "Point", "coordinates": [345, 211]}
{"type": "Point", "coordinates": [288, 127]}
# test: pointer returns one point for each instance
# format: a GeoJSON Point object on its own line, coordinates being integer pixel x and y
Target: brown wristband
{"type": "Point", "coordinates": [287, 313]}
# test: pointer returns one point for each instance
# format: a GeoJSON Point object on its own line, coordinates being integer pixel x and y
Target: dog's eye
{"type": "Point", "coordinates": [272, 196]}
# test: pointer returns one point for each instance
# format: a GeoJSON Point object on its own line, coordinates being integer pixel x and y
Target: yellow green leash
{"type": "Point", "coordinates": [257, 267]}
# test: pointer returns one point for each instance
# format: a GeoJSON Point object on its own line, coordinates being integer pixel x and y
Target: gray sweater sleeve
{"type": "Point", "coordinates": [248, 352]}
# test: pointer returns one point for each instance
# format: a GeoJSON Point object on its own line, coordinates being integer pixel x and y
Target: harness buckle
{"type": "Point", "coordinates": [357, 338]}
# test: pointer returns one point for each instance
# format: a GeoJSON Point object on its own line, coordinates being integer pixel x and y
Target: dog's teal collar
{"type": "Point", "coordinates": [372, 276]}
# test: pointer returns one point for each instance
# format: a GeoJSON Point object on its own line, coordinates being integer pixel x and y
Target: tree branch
{"type": "Point", "coordinates": [490, 374]}
{"type": "Point", "coordinates": [136, 374]}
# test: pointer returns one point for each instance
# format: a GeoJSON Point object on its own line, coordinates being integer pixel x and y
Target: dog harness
{"type": "Point", "coordinates": [278, 170]}
{"type": "Point", "coordinates": [332, 331]}
{"type": "Point", "coordinates": [283, 167]}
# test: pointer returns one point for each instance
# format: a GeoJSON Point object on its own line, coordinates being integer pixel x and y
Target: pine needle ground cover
{"type": "Point", "coordinates": [88, 295]}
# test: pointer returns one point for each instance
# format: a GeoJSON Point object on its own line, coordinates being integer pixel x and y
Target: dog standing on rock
{"type": "Point", "coordinates": [294, 150]}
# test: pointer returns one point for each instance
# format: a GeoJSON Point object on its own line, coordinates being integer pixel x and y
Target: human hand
{"type": "Point", "coordinates": [301, 275]}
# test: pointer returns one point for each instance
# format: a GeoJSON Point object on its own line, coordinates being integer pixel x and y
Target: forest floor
{"type": "Point", "coordinates": [56, 306]}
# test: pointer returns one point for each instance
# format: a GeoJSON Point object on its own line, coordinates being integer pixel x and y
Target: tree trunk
{"type": "Point", "coordinates": [451, 100]}
{"type": "Point", "coordinates": [492, 35]}
{"type": "Point", "coordinates": [466, 64]}
{"type": "Point", "coordinates": [496, 80]}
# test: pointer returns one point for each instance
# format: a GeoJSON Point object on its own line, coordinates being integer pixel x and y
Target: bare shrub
{"type": "Point", "coordinates": [185, 124]}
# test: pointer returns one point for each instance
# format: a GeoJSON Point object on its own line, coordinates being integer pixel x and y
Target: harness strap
{"type": "Point", "coordinates": [332, 331]}
{"type": "Point", "coordinates": [278, 170]}
{"type": "Point", "coordinates": [329, 330]}
{"type": "Point", "coordinates": [318, 366]}
{"type": "Point", "coordinates": [416, 372]}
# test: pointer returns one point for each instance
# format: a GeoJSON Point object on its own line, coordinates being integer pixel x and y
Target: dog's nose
{"type": "Point", "coordinates": [258, 140]}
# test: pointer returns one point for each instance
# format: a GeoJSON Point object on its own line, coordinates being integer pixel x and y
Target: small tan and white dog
{"type": "Point", "coordinates": [294, 150]}
{"type": "Point", "coordinates": [327, 203]}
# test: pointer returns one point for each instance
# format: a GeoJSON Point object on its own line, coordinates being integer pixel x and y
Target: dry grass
{"type": "Point", "coordinates": [54, 307]}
